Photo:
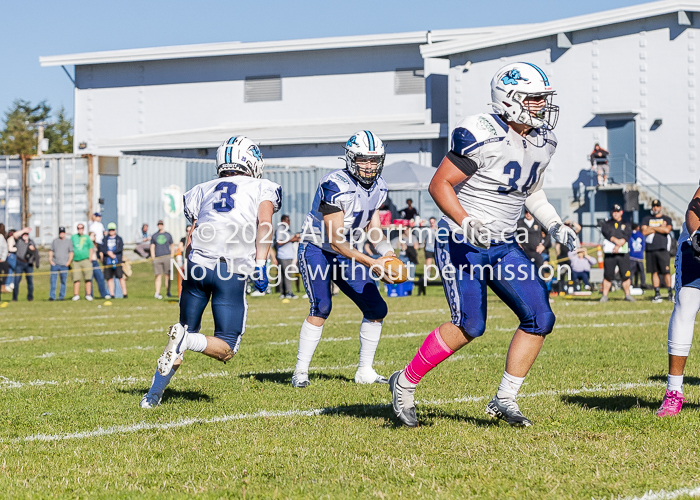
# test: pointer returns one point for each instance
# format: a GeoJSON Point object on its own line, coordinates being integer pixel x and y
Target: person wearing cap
{"type": "Point", "coordinates": [112, 248]}
{"type": "Point", "coordinates": [97, 227]}
{"type": "Point", "coordinates": [656, 229]}
{"type": "Point", "coordinates": [616, 249]}
{"type": "Point", "coordinates": [60, 257]}
{"type": "Point", "coordinates": [534, 244]}
{"type": "Point", "coordinates": [82, 263]}
{"type": "Point", "coordinates": [162, 250]}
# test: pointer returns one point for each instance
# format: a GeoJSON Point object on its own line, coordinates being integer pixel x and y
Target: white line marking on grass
{"type": "Point", "coordinates": [665, 495]}
{"type": "Point", "coordinates": [124, 429]}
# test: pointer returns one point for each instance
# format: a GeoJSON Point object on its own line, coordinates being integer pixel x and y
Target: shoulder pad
{"type": "Point", "coordinates": [477, 130]}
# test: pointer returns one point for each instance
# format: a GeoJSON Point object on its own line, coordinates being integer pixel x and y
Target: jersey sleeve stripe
{"type": "Point", "coordinates": [479, 144]}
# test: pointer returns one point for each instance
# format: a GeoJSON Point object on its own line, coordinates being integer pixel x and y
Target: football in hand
{"type": "Point", "coordinates": [396, 270]}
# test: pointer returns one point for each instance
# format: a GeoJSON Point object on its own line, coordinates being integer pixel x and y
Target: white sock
{"type": "Point", "coordinates": [370, 331]}
{"type": "Point", "coordinates": [509, 386]}
{"type": "Point", "coordinates": [160, 382]}
{"type": "Point", "coordinates": [675, 383]}
{"type": "Point", "coordinates": [682, 324]}
{"type": "Point", "coordinates": [196, 342]}
{"type": "Point", "coordinates": [309, 337]}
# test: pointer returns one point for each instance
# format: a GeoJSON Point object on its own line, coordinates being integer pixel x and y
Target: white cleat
{"type": "Point", "coordinates": [300, 379]}
{"type": "Point", "coordinates": [150, 400]}
{"type": "Point", "coordinates": [177, 344]}
{"type": "Point", "coordinates": [367, 375]}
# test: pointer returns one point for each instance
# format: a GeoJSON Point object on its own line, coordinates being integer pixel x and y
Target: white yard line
{"type": "Point", "coordinates": [664, 495]}
{"type": "Point", "coordinates": [124, 429]}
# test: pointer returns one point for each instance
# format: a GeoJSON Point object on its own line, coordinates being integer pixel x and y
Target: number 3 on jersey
{"type": "Point", "coordinates": [226, 202]}
{"type": "Point", "coordinates": [513, 170]}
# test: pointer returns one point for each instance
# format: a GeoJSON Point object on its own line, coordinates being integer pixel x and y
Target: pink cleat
{"type": "Point", "coordinates": [671, 405]}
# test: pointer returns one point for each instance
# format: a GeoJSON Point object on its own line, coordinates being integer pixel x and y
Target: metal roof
{"type": "Point", "coordinates": [241, 48]}
{"type": "Point", "coordinates": [529, 32]}
{"type": "Point", "coordinates": [272, 134]}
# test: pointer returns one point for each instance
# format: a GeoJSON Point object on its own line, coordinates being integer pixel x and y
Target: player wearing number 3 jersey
{"type": "Point", "coordinates": [495, 166]}
{"type": "Point", "coordinates": [231, 236]}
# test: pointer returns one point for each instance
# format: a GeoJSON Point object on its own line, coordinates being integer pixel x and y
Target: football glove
{"type": "Point", "coordinates": [475, 232]}
{"type": "Point", "coordinates": [695, 243]}
{"type": "Point", "coordinates": [260, 279]}
{"type": "Point", "coordinates": [565, 235]}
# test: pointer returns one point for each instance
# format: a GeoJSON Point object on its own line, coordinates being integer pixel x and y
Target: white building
{"type": "Point", "coordinates": [625, 78]}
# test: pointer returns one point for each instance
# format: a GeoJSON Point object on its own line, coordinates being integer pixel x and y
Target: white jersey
{"type": "Point", "coordinates": [340, 191]}
{"type": "Point", "coordinates": [509, 167]}
{"type": "Point", "coordinates": [226, 210]}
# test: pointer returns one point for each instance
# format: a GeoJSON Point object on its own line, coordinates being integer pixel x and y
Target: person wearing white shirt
{"type": "Point", "coordinates": [285, 256]}
{"type": "Point", "coordinates": [97, 227]}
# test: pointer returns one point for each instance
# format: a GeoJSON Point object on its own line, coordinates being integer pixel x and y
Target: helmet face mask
{"type": "Point", "coordinates": [364, 157]}
{"type": "Point", "coordinates": [522, 94]}
{"type": "Point", "coordinates": [239, 155]}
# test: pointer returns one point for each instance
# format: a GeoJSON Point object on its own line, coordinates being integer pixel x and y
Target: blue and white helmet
{"type": "Point", "coordinates": [239, 154]}
{"type": "Point", "coordinates": [368, 149]}
{"type": "Point", "coordinates": [514, 83]}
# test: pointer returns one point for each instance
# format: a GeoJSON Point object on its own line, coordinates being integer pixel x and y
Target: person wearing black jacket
{"type": "Point", "coordinates": [534, 244]}
{"type": "Point", "coordinates": [112, 248]}
{"type": "Point", "coordinates": [616, 248]}
{"type": "Point", "coordinates": [27, 258]}
{"type": "Point", "coordinates": [656, 229]}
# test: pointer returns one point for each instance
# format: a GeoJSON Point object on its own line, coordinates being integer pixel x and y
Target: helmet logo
{"type": "Point", "coordinates": [511, 77]}
{"type": "Point", "coordinates": [351, 141]}
{"type": "Point", "coordinates": [255, 151]}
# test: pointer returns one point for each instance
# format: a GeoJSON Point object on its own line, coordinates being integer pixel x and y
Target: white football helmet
{"type": "Point", "coordinates": [515, 82]}
{"type": "Point", "coordinates": [239, 154]}
{"type": "Point", "coordinates": [368, 149]}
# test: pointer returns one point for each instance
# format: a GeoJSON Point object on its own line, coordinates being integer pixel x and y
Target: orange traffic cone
{"type": "Point", "coordinates": [600, 257]}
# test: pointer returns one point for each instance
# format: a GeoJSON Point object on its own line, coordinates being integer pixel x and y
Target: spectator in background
{"type": "Point", "coordinates": [409, 212]}
{"type": "Point", "coordinates": [656, 228]}
{"type": "Point", "coordinates": [599, 159]}
{"type": "Point", "coordinates": [95, 259]}
{"type": "Point", "coordinates": [60, 257]}
{"type": "Point", "coordinates": [637, 244]}
{"type": "Point", "coordinates": [285, 256]}
{"type": "Point", "coordinates": [97, 228]}
{"type": "Point", "coordinates": [112, 248]}
{"type": "Point", "coordinates": [143, 241]}
{"type": "Point", "coordinates": [4, 266]}
{"type": "Point", "coordinates": [533, 246]}
{"type": "Point", "coordinates": [82, 264]}
{"type": "Point", "coordinates": [616, 249]}
{"type": "Point", "coordinates": [389, 205]}
{"type": "Point", "coordinates": [27, 259]}
{"type": "Point", "coordinates": [431, 235]}
{"type": "Point", "coordinates": [162, 250]}
{"type": "Point", "coordinates": [12, 237]}
{"type": "Point", "coordinates": [580, 263]}
{"type": "Point", "coordinates": [183, 241]}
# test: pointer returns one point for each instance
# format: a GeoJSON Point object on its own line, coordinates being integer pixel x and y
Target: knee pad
{"type": "Point", "coordinates": [322, 309]}
{"type": "Point", "coordinates": [538, 323]}
{"type": "Point", "coordinates": [474, 327]}
{"type": "Point", "coordinates": [376, 311]}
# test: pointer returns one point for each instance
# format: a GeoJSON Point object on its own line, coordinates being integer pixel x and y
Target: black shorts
{"type": "Point", "coordinates": [619, 260]}
{"type": "Point", "coordinates": [429, 255]}
{"type": "Point", "coordinates": [659, 261]}
{"type": "Point", "coordinates": [111, 272]}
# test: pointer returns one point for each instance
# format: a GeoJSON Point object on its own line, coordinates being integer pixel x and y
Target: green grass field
{"type": "Point", "coordinates": [72, 375]}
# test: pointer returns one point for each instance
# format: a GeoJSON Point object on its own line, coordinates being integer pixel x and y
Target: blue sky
{"type": "Point", "coordinates": [33, 28]}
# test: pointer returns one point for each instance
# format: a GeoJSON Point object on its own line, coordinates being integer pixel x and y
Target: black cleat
{"type": "Point", "coordinates": [402, 401]}
{"type": "Point", "coordinates": [508, 411]}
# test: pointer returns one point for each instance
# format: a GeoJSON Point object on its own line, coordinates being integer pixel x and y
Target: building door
{"type": "Point", "coordinates": [622, 147]}
{"type": "Point", "coordinates": [108, 198]}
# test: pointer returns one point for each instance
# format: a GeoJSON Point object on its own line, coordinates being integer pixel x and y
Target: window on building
{"type": "Point", "coordinates": [263, 88]}
{"type": "Point", "coordinates": [409, 81]}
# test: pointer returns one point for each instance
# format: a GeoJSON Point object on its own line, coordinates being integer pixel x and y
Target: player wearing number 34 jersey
{"type": "Point", "coordinates": [231, 233]}
{"type": "Point", "coordinates": [495, 166]}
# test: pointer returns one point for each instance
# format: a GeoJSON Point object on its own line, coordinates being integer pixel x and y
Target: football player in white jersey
{"type": "Point", "coordinates": [344, 207]}
{"type": "Point", "coordinates": [231, 236]}
{"type": "Point", "coordinates": [682, 323]}
{"type": "Point", "coordinates": [495, 166]}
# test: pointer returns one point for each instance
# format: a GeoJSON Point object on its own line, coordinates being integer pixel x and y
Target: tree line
{"type": "Point", "coordinates": [21, 124]}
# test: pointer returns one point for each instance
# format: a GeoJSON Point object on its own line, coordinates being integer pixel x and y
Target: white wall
{"type": "Point", "coordinates": [647, 67]}
{"type": "Point", "coordinates": [154, 97]}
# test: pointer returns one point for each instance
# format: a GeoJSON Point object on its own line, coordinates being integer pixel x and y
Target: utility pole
{"type": "Point", "coordinates": [40, 137]}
